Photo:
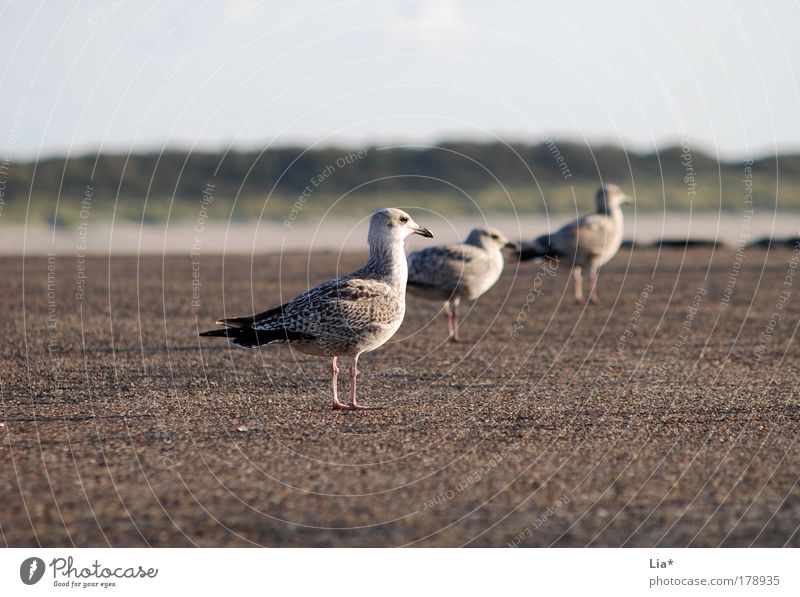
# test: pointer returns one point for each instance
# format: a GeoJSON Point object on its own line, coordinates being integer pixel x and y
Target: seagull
{"type": "Point", "coordinates": [590, 242]}
{"type": "Point", "coordinates": [462, 271]}
{"type": "Point", "coordinates": [344, 317]}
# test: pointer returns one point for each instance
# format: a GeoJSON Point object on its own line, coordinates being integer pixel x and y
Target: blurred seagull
{"type": "Point", "coordinates": [343, 317]}
{"type": "Point", "coordinates": [461, 271]}
{"type": "Point", "coordinates": [590, 242]}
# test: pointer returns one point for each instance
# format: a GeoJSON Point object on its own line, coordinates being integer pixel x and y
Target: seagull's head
{"type": "Point", "coordinates": [610, 196]}
{"type": "Point", "coordinates": [394, 225]}
{"type": "Point", "coordinates": [490, 238]}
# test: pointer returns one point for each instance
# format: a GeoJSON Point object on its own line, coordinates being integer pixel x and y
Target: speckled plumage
{"type": "Point", "coordinates": [451, 273]}
{"type": "Point", "coordinates": [590, 242]}
{"type": "Point", "coordinates": [343, 317]}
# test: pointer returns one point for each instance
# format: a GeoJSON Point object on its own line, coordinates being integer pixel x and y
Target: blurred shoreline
{"type": "Point", "coordinates": [126, 238]}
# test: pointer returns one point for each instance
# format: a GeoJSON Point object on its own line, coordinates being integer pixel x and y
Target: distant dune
{"type": "Point", "coordinates": [282, 184]}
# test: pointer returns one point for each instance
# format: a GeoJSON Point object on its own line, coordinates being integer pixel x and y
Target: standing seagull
{"type": "Point", "coordinates": [343, 317]}
{"type": "Point", "coordinates": [589, 242]}
{"type": "Point", "coordinates": [452, 272]}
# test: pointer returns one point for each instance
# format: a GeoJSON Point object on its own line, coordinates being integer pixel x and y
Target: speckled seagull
{"type": "Point", "coordinates": [344, 317]}
{"type": "Point", "coordinates": [461, 271]}
{"type": "Point", "coordinates": [590, 242]}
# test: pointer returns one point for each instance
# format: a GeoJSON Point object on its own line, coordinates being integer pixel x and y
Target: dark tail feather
{"type": "Point", "coordinates": [417, 284]}
{"type": "Point", "coordinates": [528, 252]}
{"type": "Point", "coordinates": [247, 337]}
{"type": "Point", "coordinates": [250, 320]}
{"type": "Point", "coordinates": [539, 248]}
{"type": "Point", "coordinates": [215, 333]}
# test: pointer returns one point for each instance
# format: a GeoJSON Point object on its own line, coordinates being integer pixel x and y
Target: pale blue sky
{"type": "Point", "coordinates": [129, 75]}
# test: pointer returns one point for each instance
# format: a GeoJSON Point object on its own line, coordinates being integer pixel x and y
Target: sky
{"type": "Point", "coordinates": [124, 75]}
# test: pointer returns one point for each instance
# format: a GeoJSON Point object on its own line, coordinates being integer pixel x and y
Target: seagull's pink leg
{"type": "Point", "coordinates": [449, 316]}
{"type": "Point", "coordinates": [454, 337]}
{"type": "Point", "coordinates": [354, 405]}
{"type": "Point", "coordinates": [335, 374]}
{"type": "Point", "coordinates": [577, 276]}
{"type": "Point", "coordinates": [593, 298]}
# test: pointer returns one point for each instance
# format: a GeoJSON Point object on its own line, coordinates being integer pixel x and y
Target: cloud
{"type": "Point", "coordinates": [434, 26]}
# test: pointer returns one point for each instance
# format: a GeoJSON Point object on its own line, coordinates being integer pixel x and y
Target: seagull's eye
{"type": "Point", "coordinates": [495, 237]}
{"type": "Point", "coordinates": [403, 220]}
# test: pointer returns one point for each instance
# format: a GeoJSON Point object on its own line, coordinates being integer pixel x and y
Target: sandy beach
{"type": "Point", "coordinates": [666, 416]}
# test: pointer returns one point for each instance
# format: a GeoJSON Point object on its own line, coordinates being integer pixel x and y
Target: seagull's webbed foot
{"type": "Point", "coordinates": [363, 407]}
{"type": "Point", "coordinates": [342, 406]}
{"type": "Point", "coordinates": [462, 340]}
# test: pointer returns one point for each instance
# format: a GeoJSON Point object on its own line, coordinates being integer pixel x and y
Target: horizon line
{"type": "Point", "coordinates": [222, 148]}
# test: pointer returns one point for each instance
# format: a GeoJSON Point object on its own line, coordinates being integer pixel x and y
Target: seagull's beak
{"type": "Point", "coordinates": [423, 232]}
{"type": "Point", "coordinates": [510, 245]}
{"type": "Point", "coordinates": [627, 200]}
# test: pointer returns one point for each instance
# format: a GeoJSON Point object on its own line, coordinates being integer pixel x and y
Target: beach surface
{"type": "Point", "coordinates": [666, 416]}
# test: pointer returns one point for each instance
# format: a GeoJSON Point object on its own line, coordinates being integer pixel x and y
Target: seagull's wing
{"type": "Point", "coordinates": [262, 328]}
{"type": "Point", "coordinates": [586, 236]}
{"type": "Point", "coordinates": [249, 321]}
{"type": "Point", "coordinates": [593, 233]}
{"type": "Point", "coordinates": [446, 266]}
{"type": "Point", "coordinates": [333, 313]}
{"type": "Point", "coordinates": [351, 303]}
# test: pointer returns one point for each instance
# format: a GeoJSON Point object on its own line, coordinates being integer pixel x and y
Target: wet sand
{"type": "Point", "coordinates": [667, 416]}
